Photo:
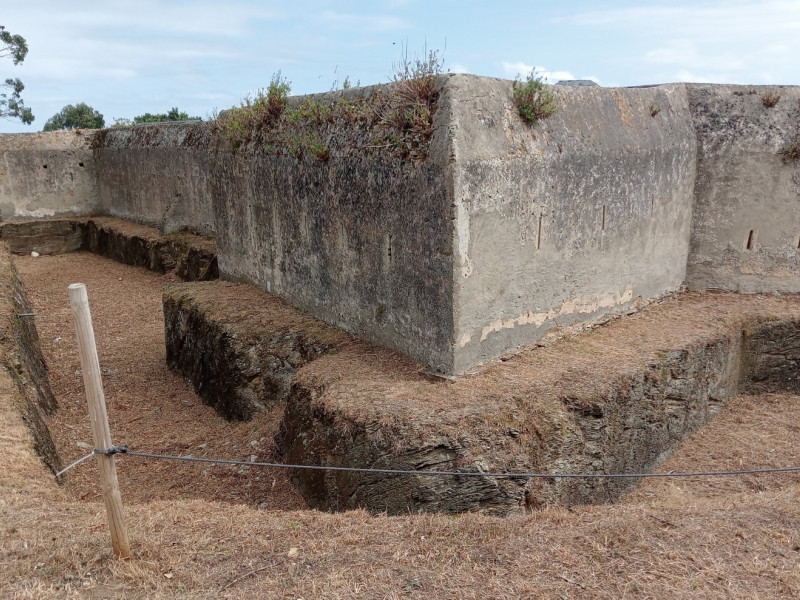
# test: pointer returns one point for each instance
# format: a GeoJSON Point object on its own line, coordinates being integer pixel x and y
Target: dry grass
{"type": "Point", "coordinates": [671, 539]}
{"type": "Point", "coordinates": [150, 408]}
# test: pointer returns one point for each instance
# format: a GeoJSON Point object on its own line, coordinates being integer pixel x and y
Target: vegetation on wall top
{"type": "Point", "coordinates": [534, 100]}
{"type": "Point", "coordinates": [397, 117]}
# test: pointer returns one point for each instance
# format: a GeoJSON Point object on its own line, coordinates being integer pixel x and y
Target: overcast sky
{"type": "Point", "coordinates": [126, 58]}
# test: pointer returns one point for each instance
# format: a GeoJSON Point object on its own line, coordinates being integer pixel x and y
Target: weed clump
{"type": "Point", "coordinates": [791, 152]}
{"type": "Point", "coordinates": [397, 117]}
{"type": "Point", "coordinates": [534, 100]}
{"type": "Point", "coordinates": [240, 124]}
{"type": "Point", "coordinates": [770, 99]}
{"type": "Point", "coordinates": [405, 110]}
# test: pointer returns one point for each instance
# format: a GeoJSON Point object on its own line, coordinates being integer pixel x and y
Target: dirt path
{"type": "Point", "coordinates": [150, 408]}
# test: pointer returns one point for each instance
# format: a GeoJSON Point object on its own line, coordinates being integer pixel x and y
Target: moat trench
{"type": "Point", "coordinates": [150, 408]}
{"type": "Point", "coordinates": [155, 410]}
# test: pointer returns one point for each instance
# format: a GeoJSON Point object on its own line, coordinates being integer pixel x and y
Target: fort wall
{"type": "Point", "coordinates": [746, 224]}
{"type": "Point", "coordinates": [47, 175]}
{"type": "Point", "coordinates": [501, 235]}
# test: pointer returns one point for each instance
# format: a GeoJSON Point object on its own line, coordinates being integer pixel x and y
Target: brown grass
{"type": "Point", "coordinates": [770, 98]}
{"type": "Point", "coordinates": [670, 539]}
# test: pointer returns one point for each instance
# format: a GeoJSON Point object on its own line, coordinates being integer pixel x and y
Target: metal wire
{"type": "Point", "coordinates": [222, 461]}
{"type": "Point", "coordinates": [76, 463]}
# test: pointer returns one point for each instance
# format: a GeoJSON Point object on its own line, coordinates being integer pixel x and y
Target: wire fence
{"type": "Point", "coordinates": [429, 473]}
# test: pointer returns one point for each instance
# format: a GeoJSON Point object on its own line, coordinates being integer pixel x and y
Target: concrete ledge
{"type": "Point", "coordinates": [22, 359]}
{"type": "Point", "coordinates": [192, 257]}
{"type": "Point", "coordinates": [618, 399]}
{"type": "Point", "coordinates": [240, 347]}
{"type": "Point", "coordinates": [664, 373]}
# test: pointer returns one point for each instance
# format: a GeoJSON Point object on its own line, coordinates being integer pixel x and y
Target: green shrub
{"type": "Point", "coordinates": [405, 111]}
{"type": "Point", "coordinates": [241, 124]}
{"type": "Point", "coordinates": [277, 95]}
{"type": "Point", "coordinates": [534, 100]}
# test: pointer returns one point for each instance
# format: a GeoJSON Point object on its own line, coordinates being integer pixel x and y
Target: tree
{"type": "Point", "coordinates": [173, 115]}
{"type": "Point", "coordinates": [79, 116]}
{"type": "Point", "coordinates": [11, 104]}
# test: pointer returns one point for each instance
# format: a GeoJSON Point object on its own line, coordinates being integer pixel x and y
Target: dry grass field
{"type": "Point", "coordinates": [200, 531]}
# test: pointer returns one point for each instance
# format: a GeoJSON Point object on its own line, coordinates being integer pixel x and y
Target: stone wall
{"type": "Point", "coordinates": [47, 175]}
{"type": "Point", "coordinates": [21, 357]}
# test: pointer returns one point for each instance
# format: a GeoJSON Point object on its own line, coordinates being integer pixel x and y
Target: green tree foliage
{"type": "Point", "coordinates": [173, 115]}
{"type": "Point", "coordinates": [79, 116]}
{"type": "Point", "coordinates": [11, 103]}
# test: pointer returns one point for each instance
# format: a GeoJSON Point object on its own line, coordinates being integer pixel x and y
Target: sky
{"type": "Point", "coordinates": [126, 58]}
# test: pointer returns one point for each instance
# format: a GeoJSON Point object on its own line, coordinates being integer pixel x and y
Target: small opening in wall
{"type": "Point", "coordinates": [750, 240]}
{"type": "Point", "coordinates": [44, 166]}
{"type": "Point", "coordinates": [798, 243]}
{"type": "Point", "coordinates": [80, 164]}
{"type": "Point", "coordinates": [603, 224]}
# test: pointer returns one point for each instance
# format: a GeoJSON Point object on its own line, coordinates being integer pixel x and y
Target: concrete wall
{"type": "Point", "coordinates": [362, 244]}
{"type": "Point", "coordinates": [585, 214]}
{"type": "Point", "coordinates": [158, 175]}
{"type": "Point", "coordinates": [501, 235]}
{"type": "Point", "coordinates": [47, 175]}
{"type": "Point", "coordinates": [746, 228]}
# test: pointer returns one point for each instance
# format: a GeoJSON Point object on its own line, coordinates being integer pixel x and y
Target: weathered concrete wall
{"type": "Point", "coordinates": [361, 245]}
{"type": "Point", "coordinates": [47, 175]}
{"type": "Point", "coordinates": [746, 226]}
{"type": "Point", "coordinates": [158, 175]}
{"type": "Point", "coordinates": [501, 235]}
{"type": "Point", "coordinates": [585, 214]}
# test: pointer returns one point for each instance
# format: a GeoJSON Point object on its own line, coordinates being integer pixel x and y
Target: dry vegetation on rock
{"type": "Point", "coordinates": [203, 536]}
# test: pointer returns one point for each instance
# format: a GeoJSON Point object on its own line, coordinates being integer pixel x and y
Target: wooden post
{"type": "Point", "coordinates": [92, 381]}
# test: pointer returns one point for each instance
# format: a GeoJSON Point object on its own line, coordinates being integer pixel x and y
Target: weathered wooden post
{"type": "Point", "coordinates": [79, 302]}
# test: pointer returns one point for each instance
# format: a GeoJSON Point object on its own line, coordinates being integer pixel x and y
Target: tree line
{"type": "Point", "coordinates": [72, 116]}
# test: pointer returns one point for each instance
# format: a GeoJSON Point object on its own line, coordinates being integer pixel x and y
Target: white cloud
{"type": "Point", "coordinates": [521, 70]}
{"type": "Point", "coordinates": [458, 68]}
{"type": "Point", "coordinates": [355, 21]}
{"type": "Point", "coordinates": [721, 40]}
{"type": "Point", "coordinates": [688, 77]}
{"type": "Point", "coordinates": [517, 69]}
{"type": "Point", "coordinates": [730, 20]}
{"type": "Point", "coordinates": [685, 52]}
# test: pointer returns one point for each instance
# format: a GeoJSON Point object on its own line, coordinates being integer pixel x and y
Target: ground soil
{"type": "Point", "coordinates": [198, 535]}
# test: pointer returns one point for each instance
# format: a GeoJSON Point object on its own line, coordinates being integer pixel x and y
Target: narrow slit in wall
{"type": "Point", "coordinates": [539, 234]}
{"type": "Point", "coordinates": [750, 240]}
{"type": "Point", "coordinates": [603, 225]}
